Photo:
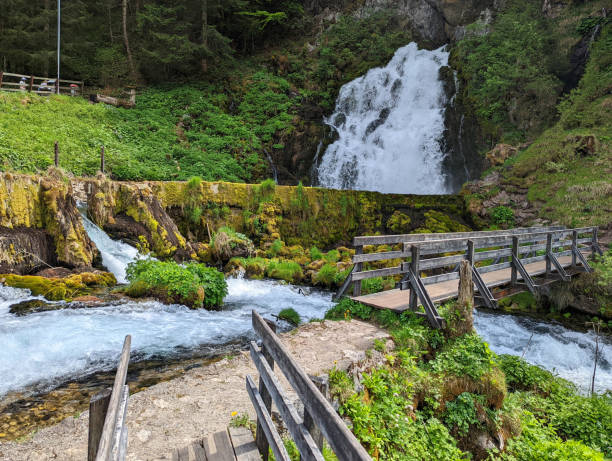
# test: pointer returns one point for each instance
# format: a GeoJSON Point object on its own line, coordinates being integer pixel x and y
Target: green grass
{"type": "Point", "coordinates": [172, 133]}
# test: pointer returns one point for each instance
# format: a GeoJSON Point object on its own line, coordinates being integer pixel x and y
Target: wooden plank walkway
{"type": "Point", "coordinates": [398, 300]}
{"type": "Point", "coordinates": [234, 444]}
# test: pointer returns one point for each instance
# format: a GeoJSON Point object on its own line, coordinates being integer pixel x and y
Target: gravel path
{"type": "Point", "coordinates": [174, 413]}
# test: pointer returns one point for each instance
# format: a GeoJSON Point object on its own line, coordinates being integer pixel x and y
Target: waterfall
{"type": "Point", "coordinates": [116, 255]}
{"type": "Point", "coordinates": [390, 123]}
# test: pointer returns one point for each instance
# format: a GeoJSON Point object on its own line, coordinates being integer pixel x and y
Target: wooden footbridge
{"type": "Point", "coordinates": [522, 259]}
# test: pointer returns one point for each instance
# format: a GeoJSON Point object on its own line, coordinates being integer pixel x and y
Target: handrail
{"type": "Point", "coordinates": [113, 437]}
{"type": "Point", "coordinates": [439, 252]}
{"type": "Point", "coordinates": [342, 441]}
{"type": "Point", "coordinates": [72, 87]}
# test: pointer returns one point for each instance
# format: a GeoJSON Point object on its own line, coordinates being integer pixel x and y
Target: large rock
{"type": "Point", "coordinates": [131, 211]}
{"type": "Point", "coordinates": [40, 225]}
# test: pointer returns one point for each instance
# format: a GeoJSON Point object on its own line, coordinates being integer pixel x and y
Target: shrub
{"type": "Point", "coordinates": [520, 375]}
{"type": "Point", "coordinates": [290, 315]}
{"type": "Point", "coordinates": [194, 285]}
{"type": "Point", "coordinates": [461, 413]}
{"type": "Point", "coordinates": [467, 355]}
{"type": "Point", "coordinates": [328, 276]}
{"type": "Point", "coordinates": [588, 419]}
{"type": "Point", "coordinates": [347, 308]}
{"type": "Point", "coordinates": [503, 215]}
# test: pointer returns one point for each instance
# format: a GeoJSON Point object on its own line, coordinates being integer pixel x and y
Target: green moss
{"type": "Point", "coordinates": [58, 289]}
{"type": "Point", "coordinates": [289, 271]}
{"type": "Point", "coordinates": [399, 222]}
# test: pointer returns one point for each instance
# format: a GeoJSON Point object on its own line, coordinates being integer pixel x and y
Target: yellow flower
{"type": "Point", "coordinates": [234, 413]}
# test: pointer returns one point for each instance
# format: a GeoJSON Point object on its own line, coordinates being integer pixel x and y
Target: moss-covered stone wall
{"type": "Point", "coordinates": [267, 212]}
{"type": "Point", "coordinates": [30, 205]}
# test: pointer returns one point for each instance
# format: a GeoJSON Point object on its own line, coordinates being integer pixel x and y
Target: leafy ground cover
{"type": "Point", "coordinates": [193, 285]}
{"type": "Point", "coordinates": [172, 133]}
{"type": "Point", "coordinates": [434, 396]}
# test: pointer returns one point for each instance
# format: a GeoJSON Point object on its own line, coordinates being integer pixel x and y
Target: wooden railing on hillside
{"type": "Point", "coordinates": [107, 440]}
{"type": "Point", "coordinates": [32, 84]}
{"type": "Point", "coordinates": [439, 255]}
{"type": "Point", "coordinates": [320, 420]}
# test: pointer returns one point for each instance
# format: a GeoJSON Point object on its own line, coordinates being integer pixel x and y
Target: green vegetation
{"type": "Point", "coordinates": [290, 315]}
{"type": "Point", "coordinates": [193, 285]}
{"type": "Point", "coordinates": [502, 215]}
{"type": "Point", "coordinates": [226, 243]}
{"type": "Point", "coordinates": [171, 133]}
{"type": "Point", "coordinates": [434, 396]}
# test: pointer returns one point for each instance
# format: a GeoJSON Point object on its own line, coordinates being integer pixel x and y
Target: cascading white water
{"type": "Point", "coordinates": [116, 255]}
{"type": "Point", "coordinates": [46, 348]}
{"type": "Point", "coordinates": [570, 354]}
{"type": "Point", "coordinates": [389, 124]}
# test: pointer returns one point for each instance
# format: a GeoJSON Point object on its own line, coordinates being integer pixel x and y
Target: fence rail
{"type": "Point", "coordinates": [33, 84]}
{"type": "Point", "coordinates": [107, 440]}
{"type": "Point", "coordinates": [320, 420]}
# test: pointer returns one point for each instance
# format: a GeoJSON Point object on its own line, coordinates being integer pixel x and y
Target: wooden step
{"type": "Point", "coordinates": [234, 444]}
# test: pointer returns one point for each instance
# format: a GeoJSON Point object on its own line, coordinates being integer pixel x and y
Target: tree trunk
{"type": "Point", "coordinates": [47, 39]}
{"type": "Point", "coordinates": [127, 43]}
{"type": "Point", "coordinates": [205, 34]}
{"type": "Point", "coordinates": [462, 319]}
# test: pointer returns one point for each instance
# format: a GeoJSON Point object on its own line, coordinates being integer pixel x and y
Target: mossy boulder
{"type": "Point", "coordinates": [227, 244]}
{"type": "Point", "coordinates": [39, 217]}
{"type": "Point", "coordinates": [58, 289]}
{"type": "Point", "coordinates": [131, 211]}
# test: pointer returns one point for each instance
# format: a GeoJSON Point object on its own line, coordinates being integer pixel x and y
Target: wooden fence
{"type": "Point", "coordinates": [32, 84]}
{"type": "Point", "coordinates": [108, 436]}
{"type": "Point", "coordinates": [320, 420]}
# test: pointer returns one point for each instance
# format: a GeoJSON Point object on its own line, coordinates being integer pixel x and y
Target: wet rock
{"type": "Point", "coordinates": [32, 305]}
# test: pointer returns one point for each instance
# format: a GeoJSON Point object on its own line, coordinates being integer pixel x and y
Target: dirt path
{"type": "Point", "coordinates": [172, 414]}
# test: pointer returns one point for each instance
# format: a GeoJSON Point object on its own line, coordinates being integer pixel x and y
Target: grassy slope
{"type": "Point", "coordinates": [218, 130]}
{"type": "Point", "coordinates": [572, 185]}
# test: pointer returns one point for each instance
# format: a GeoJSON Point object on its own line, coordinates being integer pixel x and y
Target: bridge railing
{"type": "Point", "coordinates": [439, 255]}
{"type": "Point", "coordinates": [107, 439]}
{"type": "Point", "coordinates": [32, 84]}
{"type": "Point", "coordinates": [320, 420]}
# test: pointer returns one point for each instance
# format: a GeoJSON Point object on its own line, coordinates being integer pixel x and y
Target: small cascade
{"type": "Point", "coordinates": [569, 354]}
{"type": "Point", "coordinates": [116, 255]}
{"type": "Point", "coordinates": [390, 123]}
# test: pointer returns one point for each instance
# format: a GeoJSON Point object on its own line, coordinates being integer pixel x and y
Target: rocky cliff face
{"type": "Point", "coordinates": [435, 22]}
{"type": "Point", "coordinates": [40, 225]}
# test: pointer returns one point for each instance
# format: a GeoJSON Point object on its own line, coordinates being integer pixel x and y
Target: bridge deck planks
{"type": "Point", "coordinates": [397, 300]}
{"type": "Point", "coordinates": [235, 444]}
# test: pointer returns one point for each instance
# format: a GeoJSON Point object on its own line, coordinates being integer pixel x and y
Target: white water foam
{"type": "Point", "coordinates": [47, 348]}
{"type": "Point", "coordinates": [390, 123]}
{"type": "Point", "coordinates": [116, 255]}
{"type": "Point", "coordinates": [567, 353]}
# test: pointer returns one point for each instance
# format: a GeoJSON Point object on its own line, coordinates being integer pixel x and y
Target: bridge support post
{"type": "Point", "coordinates": [574, 245]}
{"type": "Point", "coordinates": [594, 243]}
{"type": "Point", "coordinates": [358, 268]}
{"type": "Point", "coordinates": [548, 252]}
{"type": "Point", "coordinates": [415, 270]}
{"type": "Point", "coordinates": [470, 252]}
{"type": "Point", "coordinates": [515, 255]}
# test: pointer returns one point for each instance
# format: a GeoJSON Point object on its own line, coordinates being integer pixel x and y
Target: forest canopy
{"type": "Point", "coordinates": [138, 40]}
